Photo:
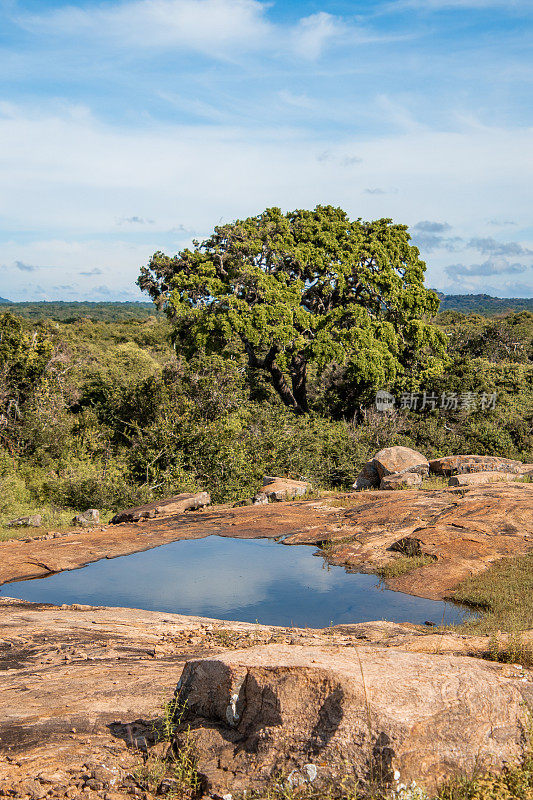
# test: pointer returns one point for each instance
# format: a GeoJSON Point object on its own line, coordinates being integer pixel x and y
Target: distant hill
{"type": "Point", "coordinates": [483, 303]}
{"type": "Point", "coordinates": [65, 311]}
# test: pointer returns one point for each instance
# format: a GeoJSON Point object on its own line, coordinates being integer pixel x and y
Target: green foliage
{"type": "Point", "coordinates": [508, 338]}
{"type": "Point", "coordinates": [306, 288]}
{"type": "Point", "coordinates": [24, 359]}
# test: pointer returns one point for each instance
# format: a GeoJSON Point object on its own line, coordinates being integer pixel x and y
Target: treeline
{"type": "Point", "coordinates": [107, 414]}
{"type": "Point", "coordinates": [66, 311]}
{"type": "Point", "coordinates": [484, 304]}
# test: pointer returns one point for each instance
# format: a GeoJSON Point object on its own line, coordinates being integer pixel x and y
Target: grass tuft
{"type": "Point", "coordinates": [174, 773]}
{"type": "Point", "coordinates": [514, 783]}
{"type": "Point", "coordinates": [404, 565]}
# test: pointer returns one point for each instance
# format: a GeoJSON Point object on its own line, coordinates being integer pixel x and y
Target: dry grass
{"type": "Point", "coordinates": [434, 482]}
{"type": "Point", "coordinates": [403, 565]}
{"type": "Point", "coordinates": [503, 594]}
{"type": "Point", "coordinates": [514, 783]}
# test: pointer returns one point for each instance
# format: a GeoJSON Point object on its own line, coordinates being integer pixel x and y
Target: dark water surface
{"type": "Point", "coordinates": [235, 579]}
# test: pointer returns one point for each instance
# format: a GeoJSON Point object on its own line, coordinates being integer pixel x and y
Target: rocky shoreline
{"type": "Point", "coordinates": [461, 530]}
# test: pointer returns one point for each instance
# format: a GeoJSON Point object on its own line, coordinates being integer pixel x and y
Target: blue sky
{"type": "Point", "coordinates": [134, 126]}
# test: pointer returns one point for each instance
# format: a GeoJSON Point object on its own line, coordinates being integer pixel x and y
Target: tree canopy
{"type": "Point", "coordinates": [301, 289]}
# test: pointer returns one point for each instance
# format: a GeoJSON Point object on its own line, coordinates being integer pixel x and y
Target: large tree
{"type": "Point", "coordinates": [301, 288]}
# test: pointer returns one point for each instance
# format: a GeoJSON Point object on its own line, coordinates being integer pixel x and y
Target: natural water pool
{"type": "Point", "coordinates": [235, 579]}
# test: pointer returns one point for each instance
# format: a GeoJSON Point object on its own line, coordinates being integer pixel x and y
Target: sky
{"type": "Point", "coordinates": [132, 126]}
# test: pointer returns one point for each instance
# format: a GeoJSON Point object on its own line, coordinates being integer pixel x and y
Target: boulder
{"type": "Point", "coordinates": [401, 480]}
{"type": "Point", "coordinates": [172, 505]}
{"type": "Point", "coordinates": [407, 546]}
{"type": "Point", "coordinates": [458, 465]}
{"type": "Point", "coordinates": [33, 521]}
{"type": "Point", "coordinates": [89, 517]}
{"type": "Point", "coordinates": [275, 489]}
{"type": "Point", "coordinates": [477, 478]}
{"type": "Point", "coordinates": [368, 478]}
{"type": "Point", "coordinates": [400, 459]}
{"type": "Point", "coordinates": [361, 712]}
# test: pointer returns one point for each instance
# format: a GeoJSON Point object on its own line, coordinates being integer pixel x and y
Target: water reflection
{"type": "Point", "coordinates": [235, 579]}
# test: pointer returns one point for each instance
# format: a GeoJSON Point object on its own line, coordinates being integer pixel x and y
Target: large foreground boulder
{"type": "Point", "coordinates": [172, 505]}
{"type": "Point", "coordinates": [361, 712]}
{"type": "Point", "coordinates": [459, 465]}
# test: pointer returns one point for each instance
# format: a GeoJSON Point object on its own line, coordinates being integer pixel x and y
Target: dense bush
{"type": "Point", "coordinates": [107, 415]}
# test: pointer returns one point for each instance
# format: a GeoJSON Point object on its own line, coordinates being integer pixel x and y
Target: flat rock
{"type": "Point", "coordinates": [476, 478]}
{"type": "Point", "coordinates": [464, 530]}
{"type": "Point", "coordinates": [33, 521]}
{"type": "Point", "coordinates": [401, 480]}
{"type": "Point", "coordinates": [364, 712]}
{"type": "Point", "coordinates": [81, 685]}
{"type": "Point", "coordinates": [172, 505]}
{"type": "Point", "coordinates": [458, 465]}
{"type": "Point", "coordinates": [399, 459]}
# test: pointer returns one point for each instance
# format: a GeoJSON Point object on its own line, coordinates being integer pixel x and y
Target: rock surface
{"type": "Point", "coordinates": [401, 480]}
{"type": "Point", "coordinates": [399, 459]}
{"type": "Point", "coordinates": [457, 465]}
{"type": "Point", "coordinates": [390, 461]}
{"type": "Point", "coordinates": [276, 489]}
{"type": "Point", "coordinates": [477, 478]}
{"type": "Point", "coordinates": [82, 687]}
{"type": "Point", "coordinates": [363, 713]}
{"type": "Point", "coordinates": [463, 529]}
{"type": "Point", "coordinates": [159, 508]}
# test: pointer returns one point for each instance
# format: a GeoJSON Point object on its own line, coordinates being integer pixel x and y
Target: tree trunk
{"type": "Point", "coordinates": [299, 381]}
{"type": "Point", "coordinates": [290, 399]}
{"type": "Point", "coordinates": [282, 388]}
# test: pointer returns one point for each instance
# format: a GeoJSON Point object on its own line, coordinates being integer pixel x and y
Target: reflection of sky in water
{"type": "Point", "coordinates": [234, 579]}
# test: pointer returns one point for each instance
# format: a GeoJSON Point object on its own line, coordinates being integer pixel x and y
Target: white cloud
{"type": "Point", "coordinates": [69, 178]}
{"type": "Point", "coordinates": [296, 100]}
{"type": "Point", "coordinates": [314, 33]}
{"type": "Point", "coordinates": [207, 26]}
{"type": "Point", "coordinates": [224, 29]}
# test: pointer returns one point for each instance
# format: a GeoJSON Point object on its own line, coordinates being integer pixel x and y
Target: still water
{"type": "Point", "coordinates": [235, 579]}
